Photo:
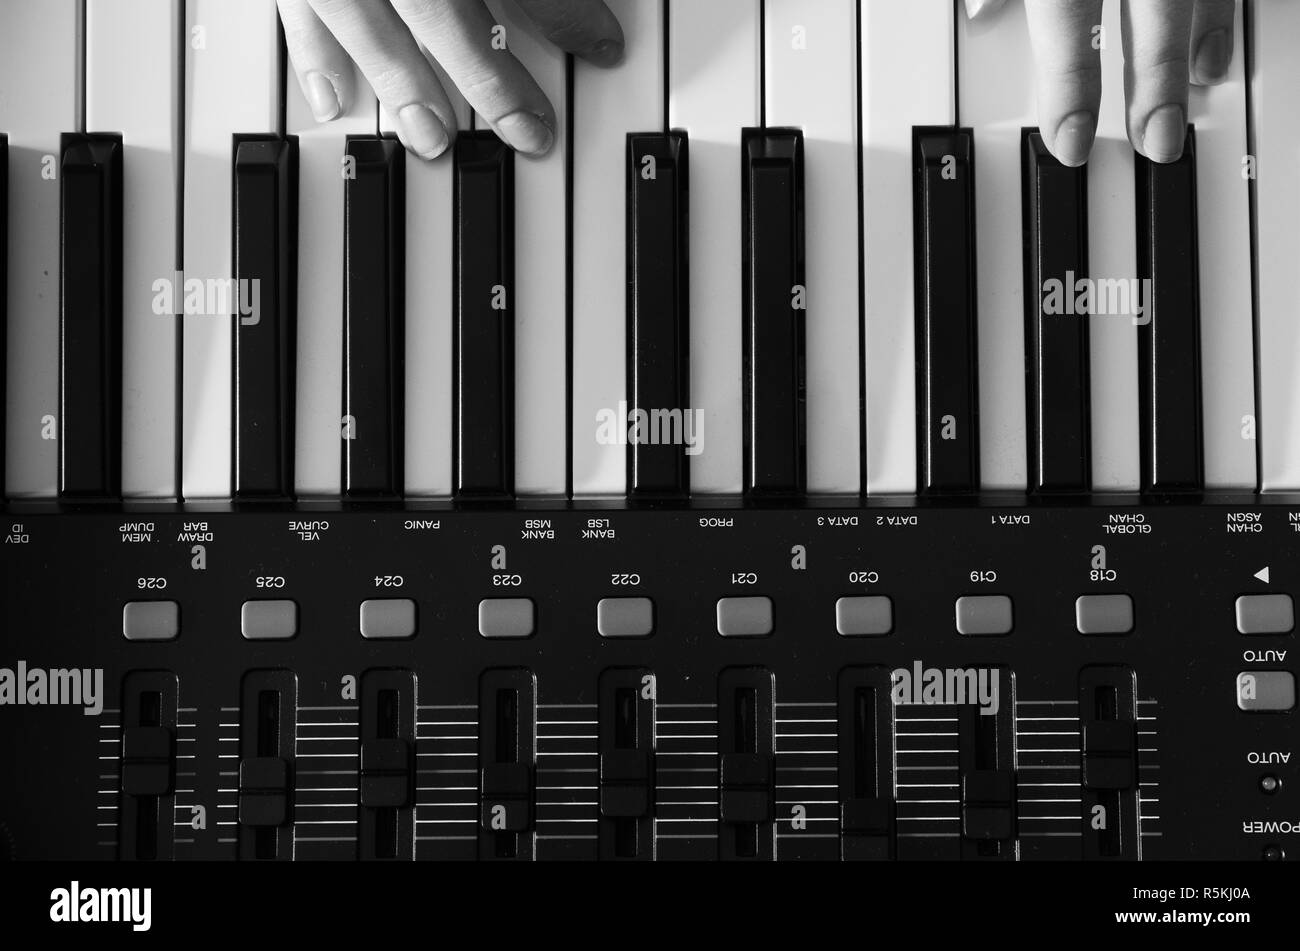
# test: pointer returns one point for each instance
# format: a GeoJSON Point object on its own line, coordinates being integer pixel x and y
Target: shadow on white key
{"type": "Point", "coordinates": [1112, 255]}
{"type": "Point", "coordinates": [1274, 83]}
{"type": "Point", "coordinates": [1227, 316]}
{"type": "Point", "coordinates": [232, 87]}
{"type": "Point", "coordinates": [430, 211]}
{"type": "Point", "coordinates": [40, 83]}
{"type": "Point", "coordinates": [811, 76]}
{"type": "Point", "coordinates": [133, 61]}
{"type": "Point", "coordinates": [997, 103]}
{"type": "Point", "coordinates": [318, 405]}
{"type": "Point", "coordinates": [608, 104]}
{"type": "Point", "coordinates": [541, 290]}
{"type": "Point", "coordinates": [907, 80]}
{"type": "Point", "coordinates": [713, 93]}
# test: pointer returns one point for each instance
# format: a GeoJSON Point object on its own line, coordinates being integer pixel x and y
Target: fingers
{"type": "Point", "coordinates": [388, 56]}
{"type": "Point", "coordinates": [1067, 67]}
{"type": "Point", "coordinates": [323, 67]}
{"type": "Point", "coordinates": [982, 8]}
{"type": "Point", "coordinates": [1213, 24]}
{"type": "Point", "coordinates": [1157, 40]}
{"type": "Point", "coordinates": [465, 39]}
{"type": "Point", "coordinates": [584, 28]}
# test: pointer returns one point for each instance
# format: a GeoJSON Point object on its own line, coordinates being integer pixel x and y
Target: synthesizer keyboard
{"type": "Point", "coordinates": [796, 463]}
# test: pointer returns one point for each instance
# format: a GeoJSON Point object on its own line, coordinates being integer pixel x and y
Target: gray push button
{"type": "Point", "coordinates": [1265, 614]}
{"type": "Point", "coordinates": [1103, 614]}
{"type": "Point", "coordinates": [151, 620]}
{"type": "Point", "coordinates": [388, 619]}
{"type": "Point", "coordinates": [986, 615]}
{"type": "Point", "coordinates": [505, 617]}
{"type": "Point", "coordinates": [269, 620]}
{"type": "Point", "coordinates": [745, 617]}
{"type": "Point", "coordinates": [1265, 691]}
{"type": "Point", "coordinates": [864, 617]}
{"type": "Point", "coordinates": [625, 617]}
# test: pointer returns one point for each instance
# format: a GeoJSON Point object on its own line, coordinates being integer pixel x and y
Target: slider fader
{"type": "Point", "coordinates": [861, 683]}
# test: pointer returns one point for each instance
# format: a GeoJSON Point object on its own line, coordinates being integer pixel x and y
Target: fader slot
{"type": "Point", "coordinates": [145, 830]}
{"type": "Point", "coordinates": [1108, 738]}
{"type": "Point", "coordinates": [268, 729]}
{"type": "Point", "coordinates": [866, 765]}
{"type": "Point", "coordinates": [386, 823]}
{"type": "Point", "coordinates": [746, 700]}
{"type": "Point", "coordinates": [987, 762]}
{"type": "Point", "coordinates": [627, 764]}
{"type": "Point", "coordinates": [507, 749]}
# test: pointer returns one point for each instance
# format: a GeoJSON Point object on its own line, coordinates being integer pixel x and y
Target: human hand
{"type": "Point", "coordinates": [383, 38]}
{"type": "Point", "coordinates": [1167, 43]}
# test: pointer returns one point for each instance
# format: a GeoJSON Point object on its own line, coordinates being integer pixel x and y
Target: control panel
{"type": "Point", "coordinates": [632, 683]}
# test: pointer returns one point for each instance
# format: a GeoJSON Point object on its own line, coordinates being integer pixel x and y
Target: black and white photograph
{"type": "Point", "coordinates": [787, 433]}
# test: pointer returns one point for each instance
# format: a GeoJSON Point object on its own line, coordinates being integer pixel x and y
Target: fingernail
{"type": "Point", "coordinates": [605, 53]}
{"type": "Point", "coordinates": [426, 136]}
{"type": "Point", "coordinates": [526, 132]}
{"type": "Point", "coordinates": [1212, 58]}
{"type": "Point", "coordinates": [322, 96]}
{"type": "Point", "coordinates": [1166, 130]}
{"type": "Point", "coordinates": [1074, 136]}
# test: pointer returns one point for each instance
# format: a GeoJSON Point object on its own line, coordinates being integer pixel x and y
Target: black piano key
{"type": "Point", "coordinates": [90, 320]}
{"type": "Point", "coordinates": [373, 354]}
{"type": "Point", "coordinates": [4, 305]}
{"type": "Point", "coordinates": [1056, 340]}
{"type": "Point", "coordinates": [946, 352]}
{"type": "Point", "coordinates": [265, 228]}
{"type": "Point", "coordinates": [773, 331]}
{"type": "Point", "coordinates": [658, 306]}
{"type": "Point", "coordinates": [1169, 339]}
{"type": "Point", "coordinates": [484, 415]}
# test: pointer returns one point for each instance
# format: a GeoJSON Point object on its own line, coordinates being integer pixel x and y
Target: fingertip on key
{"type": "Point", "coordinates": [1073, 140]}
{"type": "Point", "coordinates": [322, 96]}
{"type": "Point", "coordinates": [422, 131]}
{"type": "Point", "coordinates": [607, 52]}
{"type": "Point", "coordinates": [526, 132]}
{"type": "Point", "coordinates": [1213, 57]}
{"type": "Point", "coordinates": [1164, 134]}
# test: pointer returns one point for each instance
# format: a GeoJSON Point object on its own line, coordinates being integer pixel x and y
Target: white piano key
{"type": "Point", "coordinates": [713, 93]}
{"type": "Point", "coordinates": [811, 70]}
{"type": "Point", "coordinates": [318, 401]}
{"type": "Point", "coordinates": [232, 87]}
{"type": "Point", "coordinates": [607, 104]}
{"type": "Point", "coordinates": [540, 301]}
{"type": "Point", "coordinates": [1227, 318]}
{"type": "Point", "coordinates": [1112, 255]}
{"type": "Point", "coordinates": [40, 86]}
{"type": "Point", "coordinates": [907, 80]}
{"type": "Point", "coordinates": [430, 211]}
{"type": "Point", "coordinates": [996, 77]}
{"type": "Point", "coordinates": [1274, 81]}
{"type": "Point", "coordinates": [133, 62]}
